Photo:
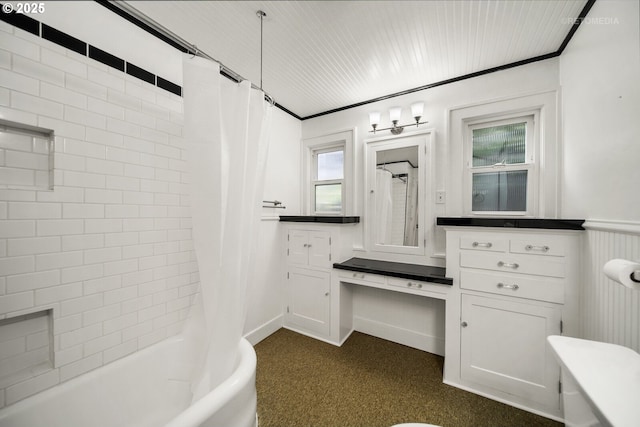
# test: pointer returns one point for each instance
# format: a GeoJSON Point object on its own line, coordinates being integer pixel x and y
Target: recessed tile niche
{"type": "Point", "coordinates": [26, 160]}
{"type": "Point", "coordinates": [26, 347]}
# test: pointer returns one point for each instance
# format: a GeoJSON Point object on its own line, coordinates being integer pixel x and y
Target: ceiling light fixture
{"type": "Point", "coordinates": [394, 115]}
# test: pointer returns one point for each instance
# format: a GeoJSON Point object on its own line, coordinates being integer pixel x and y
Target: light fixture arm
{"type": "Point", "coordinates": [395, 129]}
{"type": "Point", "coordinates": [417, 108]}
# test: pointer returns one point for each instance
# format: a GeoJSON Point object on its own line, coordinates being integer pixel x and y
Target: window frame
{"type": "Point", "coordinates": [315, 182]}
{"type": "Point", "coordinates": [328, 143]}
{"type": "Point", "coordinates": [531, 163]}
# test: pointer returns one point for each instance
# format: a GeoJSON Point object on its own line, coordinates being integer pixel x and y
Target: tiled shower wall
{"type": "Point", "coordinates": [108, 252]}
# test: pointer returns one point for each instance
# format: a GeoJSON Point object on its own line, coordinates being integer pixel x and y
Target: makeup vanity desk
{"type": "Point", "coordinates": [421, 280]}
{"type": "Point", "coordinates": [509, 284]}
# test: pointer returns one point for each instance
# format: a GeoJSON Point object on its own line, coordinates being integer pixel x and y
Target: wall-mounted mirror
{"type": "Point", "coordinates": [396, 194]}
{"type": "Point", "coordinates": [396, 189]}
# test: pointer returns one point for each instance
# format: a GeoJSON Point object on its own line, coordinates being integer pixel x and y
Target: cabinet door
{"type": "Point", "coordinates": [298, 247]}
{"type": "Point", "coordinates": [319, 246]}
{"type": "Point", "coordinates": [504, 346]}
{"type": "Point", "coordinates": [308, 301]}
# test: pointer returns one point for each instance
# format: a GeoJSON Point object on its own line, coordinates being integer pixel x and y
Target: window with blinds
{"type": "Point", "coordinates": [501, 166]}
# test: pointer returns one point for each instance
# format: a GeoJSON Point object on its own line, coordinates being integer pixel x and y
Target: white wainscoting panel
{"type": "Point", "coordinates": [610, 312]}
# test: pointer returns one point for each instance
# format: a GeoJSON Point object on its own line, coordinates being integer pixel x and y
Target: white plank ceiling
{"type": "Point", "coordinates": [323, 55]}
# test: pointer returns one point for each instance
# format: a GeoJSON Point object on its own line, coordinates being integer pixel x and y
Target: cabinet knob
{"type": "Point", "coordinates": [326, 294]}
{"type": "Point", "coordinates": [464, 324]}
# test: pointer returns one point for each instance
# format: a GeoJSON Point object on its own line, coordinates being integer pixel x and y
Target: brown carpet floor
{"type": "Point", "coordinates": [368, 382]}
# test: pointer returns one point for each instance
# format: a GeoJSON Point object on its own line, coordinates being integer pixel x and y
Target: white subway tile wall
{"type": "Point", "coordinates": [109, 250]}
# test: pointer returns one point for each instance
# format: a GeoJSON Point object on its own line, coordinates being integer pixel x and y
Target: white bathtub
{"type": "Point", "coordinates": [146, 389]}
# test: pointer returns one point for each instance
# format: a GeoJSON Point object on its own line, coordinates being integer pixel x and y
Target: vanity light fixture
{"type": "Point", "coordinates": [394, 115]}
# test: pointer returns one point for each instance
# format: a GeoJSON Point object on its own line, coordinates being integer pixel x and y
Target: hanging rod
{"type": "Point", "coordinates": [185, 45]}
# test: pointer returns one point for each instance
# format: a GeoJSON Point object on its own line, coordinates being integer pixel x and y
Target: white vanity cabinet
{"type": "Point", "coordinates": [512, 289]}
{"type": "Point", "coordinates": [308, 302]}
{"type": "Point", "coordinates": [310, 248]}
{"type": "Point", "coordinates": [310, 251]}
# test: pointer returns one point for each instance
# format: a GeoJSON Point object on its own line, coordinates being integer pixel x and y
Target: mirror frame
{"type": "Point", "coordinates": [422, 139]}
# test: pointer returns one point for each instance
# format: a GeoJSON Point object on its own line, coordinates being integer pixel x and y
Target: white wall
{"type": "Point", "coordinates": [282, 182]}
{"type": "Point", "coordinates": [599, 72]}
{"type": "Point", "coordinates": [536, 77]}
{"type": "Point", "coordinates": [90, 22]}
{"type": "Point", "coordinates": [422, 321]}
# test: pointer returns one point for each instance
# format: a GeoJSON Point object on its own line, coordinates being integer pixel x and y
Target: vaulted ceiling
{"type": "Point", "coordinates": [324, 55]}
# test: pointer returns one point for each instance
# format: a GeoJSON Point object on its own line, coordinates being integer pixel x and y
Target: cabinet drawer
{"type": "Point", "coordinates": [367, 277]}
{"type": "Point", "coordinates": [538, 265]}
{"type": "Point", "coordinates": [543, 289]}
{"type": "Point", "coordinates": [407, 284]}
{"type": "Point", "coordinates": [548, 247]}
{"type": "Point", "coordinates": [428, 289]}
{"type": "Point", "coordinates": [484, 243]}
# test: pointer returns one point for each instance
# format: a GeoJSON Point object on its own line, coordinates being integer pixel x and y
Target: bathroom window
{"type": "Point", "coordinates": [501, 166]}
{"type": "Point", "coordinates": [328, 182]}
{"type": "Point", "coordinates": [327, 174]}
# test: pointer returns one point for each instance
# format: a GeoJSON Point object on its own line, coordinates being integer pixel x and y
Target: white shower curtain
{"type": "Point", "coordinates": [384, 207]}
{"type": "Point", "coordinates": [411, 210]}
{"type": "Point", "coordinates": [226, 129]}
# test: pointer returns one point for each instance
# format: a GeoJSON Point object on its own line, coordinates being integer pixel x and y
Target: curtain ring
{"type": "Point", "coordinates": [195, 48]}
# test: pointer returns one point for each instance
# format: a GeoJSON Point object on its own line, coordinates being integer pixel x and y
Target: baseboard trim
{"type": "Point", "coordinates": [310, 335]}
{"type": "Point", "coordinates": [399, 335]}
{"type": "Point", "coordinates": [506, 401]}
{"type": "Point", "coordinates": [264, 330]}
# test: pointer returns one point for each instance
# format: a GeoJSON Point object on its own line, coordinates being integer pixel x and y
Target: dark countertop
{"type": "Point", "coordinates": [321, 219]}
{"type": "Point", "coordinates": [542, 223]}
{"type": "Point", "coordinates": [424, 273]}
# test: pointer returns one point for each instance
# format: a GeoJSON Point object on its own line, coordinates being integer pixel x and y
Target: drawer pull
{"type": "Point", "coordinates": [359, 275]}
{"type": "Point", "coordinates": [508, 265]}
{"type": "Point", "coordinates": [481, 244]}
{"type": "Point", "coordinates": [417, 285]}
{"type": "Point", "coordinates": [544, 248]}
{"type": "Point", "coordinates": [503, 286]}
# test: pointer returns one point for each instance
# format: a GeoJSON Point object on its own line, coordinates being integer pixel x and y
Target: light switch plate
{"type": "Point", "coordinates": [440, 197]}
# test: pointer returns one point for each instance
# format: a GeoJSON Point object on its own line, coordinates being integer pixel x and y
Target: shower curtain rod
{"type": "Point", "coordinates": [178, 42]}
